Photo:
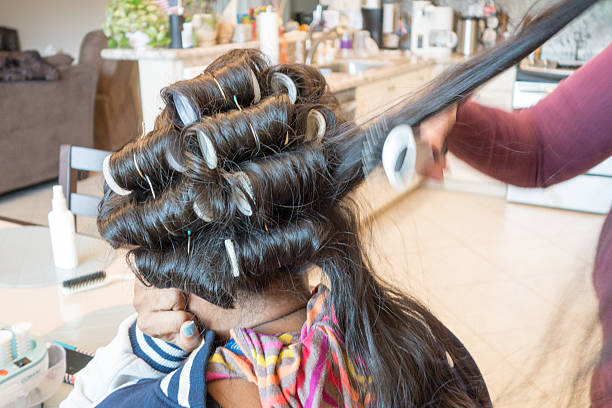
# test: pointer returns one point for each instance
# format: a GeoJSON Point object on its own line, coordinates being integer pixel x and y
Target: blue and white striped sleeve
{"type": "Point", "coordinates": [160, 355]}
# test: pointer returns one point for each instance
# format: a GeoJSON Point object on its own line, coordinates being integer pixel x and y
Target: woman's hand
{"type": "Point", "coordinates": [162, 314]}
{"type": "Point", "coordinates": [435, 130]}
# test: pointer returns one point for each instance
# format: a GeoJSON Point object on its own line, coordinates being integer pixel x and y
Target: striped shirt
{"type": "Point", "coordinates": [300, 369]}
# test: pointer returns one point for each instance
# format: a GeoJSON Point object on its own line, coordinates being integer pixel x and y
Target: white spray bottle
{"type": "Point", "coordinates": [61, 227]}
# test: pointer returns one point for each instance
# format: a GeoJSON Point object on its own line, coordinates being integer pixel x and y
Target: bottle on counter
{"type": "Point", "coordinates": [390, 24]}
{"type": "Point", "coordinates": [371, 11]}
{"type": "Point", "coordinates": [61, 228]}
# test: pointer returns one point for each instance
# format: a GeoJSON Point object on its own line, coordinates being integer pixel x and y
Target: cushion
{"type": "Point", "coordinates": [24, 66]}
{"type": "Point", "coordinates": [59, 60]}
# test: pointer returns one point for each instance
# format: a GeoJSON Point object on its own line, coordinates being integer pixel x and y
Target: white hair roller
{"type": "Point", "coordinates": [256, 88]}
{"type": "Point", "coordinates": [315, 126]}
{"type": "Point", "coordinates": [173, 153]}
{"type": "Point", "coordinates": [208, 150]}
{"type": "Point", "coordinates": [185, 110]}
{"type": "Point", "coordinates": [242, 185]}
{"type": "Point", "coordinates": [202, 214]}
{"type": "Point", "coordinates": [108, 177]}
{"type": "Point", "coordinates": [280, 81]}
{"type": "Point", "coordinates": [231, 254]}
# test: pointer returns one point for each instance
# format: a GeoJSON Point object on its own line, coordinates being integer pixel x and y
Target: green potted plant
{"type": "Point", "coordinates": [136, 24]}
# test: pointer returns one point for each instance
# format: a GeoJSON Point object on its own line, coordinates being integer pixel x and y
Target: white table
{"type": "Point", "coordinates": [88, 318]}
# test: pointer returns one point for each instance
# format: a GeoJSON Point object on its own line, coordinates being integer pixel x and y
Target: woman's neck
{"type": "Point", "coordinates": [275, 310]}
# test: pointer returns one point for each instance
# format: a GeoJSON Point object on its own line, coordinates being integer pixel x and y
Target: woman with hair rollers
{"type": "Point", "coordinates": [227, 205]}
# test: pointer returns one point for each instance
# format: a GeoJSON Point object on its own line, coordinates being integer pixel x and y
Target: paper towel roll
{"type": "Point", "coordinates": [267, 27]}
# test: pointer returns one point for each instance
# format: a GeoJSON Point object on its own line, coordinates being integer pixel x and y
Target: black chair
{"type": "Point", "coordinates": [72, 160]}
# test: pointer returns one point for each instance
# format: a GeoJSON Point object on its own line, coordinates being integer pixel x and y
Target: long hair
{"type": "Point", "coordinates": [239, 156]}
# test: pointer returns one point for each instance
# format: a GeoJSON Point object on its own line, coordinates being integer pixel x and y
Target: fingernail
{"type": "Point", "coordinates": [189, 329]}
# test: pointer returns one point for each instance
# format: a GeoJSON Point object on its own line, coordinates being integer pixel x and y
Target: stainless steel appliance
{"type": "Point", "coordinates": [469, 30]}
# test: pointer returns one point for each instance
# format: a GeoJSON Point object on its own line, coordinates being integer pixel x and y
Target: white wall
{"type": "Point", "coordinates": [61, 23]}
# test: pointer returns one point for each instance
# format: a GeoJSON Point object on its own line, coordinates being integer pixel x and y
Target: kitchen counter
{"type": "Point", "coordinates": [340, 81]}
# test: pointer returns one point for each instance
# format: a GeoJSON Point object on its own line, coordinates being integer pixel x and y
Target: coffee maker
{"type": "Point", "coordinates": [432, 34]}
{"type": "Point", "coordinates": [442, 38]}
{"type": "Point", "coordinates": [419, 32]}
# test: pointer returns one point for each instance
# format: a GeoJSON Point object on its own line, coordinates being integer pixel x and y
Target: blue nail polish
{"type": "Point", "coordinates": [189, 329]}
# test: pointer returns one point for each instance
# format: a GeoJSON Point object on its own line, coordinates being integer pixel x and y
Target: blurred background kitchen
{"type": "Point", "coordinates": [494, 262]}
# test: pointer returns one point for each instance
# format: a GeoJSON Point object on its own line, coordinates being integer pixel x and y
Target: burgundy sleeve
{"type": "Point", "coordinates": [564, 135]}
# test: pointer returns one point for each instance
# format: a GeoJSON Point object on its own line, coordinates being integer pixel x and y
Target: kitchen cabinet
{"type": "Point", "coordinates": [374, 97]}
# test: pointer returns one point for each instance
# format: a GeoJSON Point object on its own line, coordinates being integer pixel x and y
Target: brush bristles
{"type": "Point", "coordinates": [84, 282]}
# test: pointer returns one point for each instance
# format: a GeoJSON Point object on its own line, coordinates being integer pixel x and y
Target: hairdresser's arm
{"type": "Point", "coordinates": [564, 135]}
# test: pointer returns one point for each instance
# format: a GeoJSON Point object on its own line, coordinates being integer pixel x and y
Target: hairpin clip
{"type": "Point", "coordinates": [143, 176]}
{"type": "Point", "coordinates": [280, 80]}
{"type": "Point", "coordinates": [219, 86]}
{"type": "Point", "coordinates": [144, 132]}
{"type": "Point", "coordinates": [231, 254]}
{"type": "Point", "coordinates": [257, 144]}
{"type": "Point", "coordinates": [108, 177]}
{"type": "Point", "coordinates": [188, 241]}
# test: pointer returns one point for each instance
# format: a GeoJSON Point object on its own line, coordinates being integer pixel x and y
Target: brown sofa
{"type": "Point", "coordinates": [36, 117]}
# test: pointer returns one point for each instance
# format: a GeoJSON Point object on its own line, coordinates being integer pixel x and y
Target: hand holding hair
{"type": "Point", "coordinates": [162, 314]}
{"type": "Point", "coordinates": [435, 130]}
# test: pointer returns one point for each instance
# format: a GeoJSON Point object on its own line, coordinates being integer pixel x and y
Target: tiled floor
{"type": "Point", "coordinates": [512, 282]}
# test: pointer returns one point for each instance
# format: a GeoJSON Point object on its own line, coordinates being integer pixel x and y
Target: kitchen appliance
{"type": "Point", "coordinates": [432, 30]}
{"type": "Point", "coordinates": [419, 37]}
{"type": "Point", "coordinates": [442, 38]}
{"type": "Point", "coordinates": [589, 192]}
{"type": "Point", "coordinates": [470, 31]}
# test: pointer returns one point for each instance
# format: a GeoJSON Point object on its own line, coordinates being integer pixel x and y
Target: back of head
{"type": "Point", "coordinates": [232, 157]}
{"type": "Point", "coordinates": [232, 191]}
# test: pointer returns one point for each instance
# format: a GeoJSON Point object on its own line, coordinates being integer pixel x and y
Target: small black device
{"type": "Point", "coordinates": [76, 360]}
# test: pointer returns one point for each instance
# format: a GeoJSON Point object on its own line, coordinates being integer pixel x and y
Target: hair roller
{"type": "Point", "coordinates": [108, 177]}
{"type": "Point", "coordinates": [149, 224]}
{"type": "Point", "coordinates": [202, 212]}
{"type": "Point", "coordinates": [237, 136]}
{"type": "Point", "coordinates": [288, 181]}
{"type": "Point", "coordinates": [291, 245]}
{"type": "Point", "coordinates": [283, 83]}
{"type": "Point", "coordinates": [174, 155]}
{"type": "Point", "coordinates": [242, 192]}
{"type": "Point", "coordinates": [316, 126]}
{"type": "Point", "coordinates": [185, 109]}
{"type": "Point", "coordinates": [209, 153]}
{"type": "Point", "coordinates": [256, 88]}
{"type": "Point", "coordinates": [163, 268]}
